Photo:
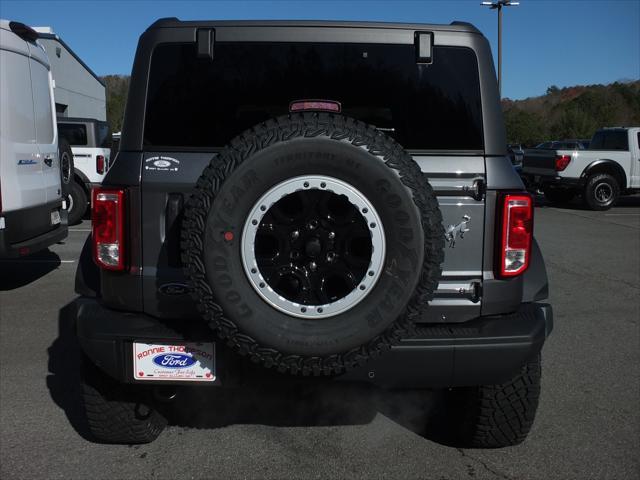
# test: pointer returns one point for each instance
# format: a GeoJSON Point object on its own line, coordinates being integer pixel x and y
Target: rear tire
{"type": "Point", "coordinates": [117, 413]}
{"type": "Point", "coordinates": [76, 203]}
{"type": "Point", "coordinates": [495, 416]}
{"type": "Point", "coordinates": [601, 191]}
{"type": "Point", "coordinates": [65, 155]}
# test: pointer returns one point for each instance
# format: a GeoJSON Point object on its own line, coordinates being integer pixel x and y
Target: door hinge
{"type": "Point", "coordinates": [477, 189]}
{"type": "Point", "coordinates": [476, 291]}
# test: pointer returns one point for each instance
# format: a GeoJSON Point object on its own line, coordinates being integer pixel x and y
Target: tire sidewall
{"type": "Point", "coordinates": [370, 175]}
{"type": "Point", "coordinates": [64, 150]}
{"type": "Point", "coordinates": [79, 205]}
{"type": "Point", "coordinates": [590, 191]}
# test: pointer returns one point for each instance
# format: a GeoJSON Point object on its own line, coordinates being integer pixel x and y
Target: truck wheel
{"type": "Point", "coordinates": [495, 416]}
{"type": "Point", "coordinates": [559, 195]}
{"type": "Point", "coordinates": [66, 166]}
{"type": "Point", "coordinates": [77, 203]}
{"type": "Point", "coordinates": [601, 191]}
{"type": "Point", "coordinates": [312, 242]}
{"type": "Point", "coordinates": [117, 413]}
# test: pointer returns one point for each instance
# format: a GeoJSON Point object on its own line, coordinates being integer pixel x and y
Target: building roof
{"type": "Point", "coordinates": [46, 33]}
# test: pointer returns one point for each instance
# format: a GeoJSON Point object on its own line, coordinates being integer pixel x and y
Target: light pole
{"type": "Point", "coordinates": [493, 5]}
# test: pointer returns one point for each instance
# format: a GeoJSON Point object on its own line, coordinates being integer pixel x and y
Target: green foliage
{"type": "Point", "coordinates": [571, 112]}
{"type": "Point", "coordinates": [117, 90]}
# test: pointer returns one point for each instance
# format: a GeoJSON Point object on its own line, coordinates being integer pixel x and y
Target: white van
{"type": "Point", "coordinates": [32, 216]}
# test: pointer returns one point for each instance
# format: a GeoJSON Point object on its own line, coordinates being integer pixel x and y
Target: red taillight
{"type": "Point", "coordinates": [516, 232]}
{"type": "Point", "coordinates": [100, 164]}
{"type": "Point", "coordinates": [562, 161]}
{"type": "Point", "coordinates": [107, 218]}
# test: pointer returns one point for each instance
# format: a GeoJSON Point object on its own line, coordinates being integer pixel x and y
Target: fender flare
{"type": "Point", "coordinates": [605, 162]}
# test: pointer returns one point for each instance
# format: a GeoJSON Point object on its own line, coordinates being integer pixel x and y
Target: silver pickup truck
{"type": "Point", "coordinates": [610, 167]}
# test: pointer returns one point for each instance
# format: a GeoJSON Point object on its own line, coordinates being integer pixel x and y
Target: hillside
{"type": "Point", "coordinates": [572, 112]}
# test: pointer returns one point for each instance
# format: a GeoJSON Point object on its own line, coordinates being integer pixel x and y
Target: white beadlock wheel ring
{"type": "Point", "coordinates": [370, 218]}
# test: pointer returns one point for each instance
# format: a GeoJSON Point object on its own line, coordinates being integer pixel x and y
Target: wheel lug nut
{"type": "Point", "coordinates": [295, 234]}
{"type": "Point", "coordinates": [312, 225]}
{"type": "Point", "coordinates": [312, 266]}
{"type": "Point", "coordinates": [331, 257]}
{"type": "Point", "coordinates": [332, 235]}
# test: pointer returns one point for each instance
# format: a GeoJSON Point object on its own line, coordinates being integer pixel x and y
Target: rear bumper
{"type": "Point", "coordinates": [534, 179]}
{"type": "Point", "coordinates": [486, 350]}
{"type": "Point", "coordinates": [28, 231]}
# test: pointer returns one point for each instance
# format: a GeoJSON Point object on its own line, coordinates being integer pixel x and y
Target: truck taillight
{"type": "Point", "coordinates": [107, 218]}
{"type": "Point", "coordinates": [100, 164]}
{"type": "Point", "coordinates": [515, 215]}
{"type": "Point", "coordinates": [562, 161]}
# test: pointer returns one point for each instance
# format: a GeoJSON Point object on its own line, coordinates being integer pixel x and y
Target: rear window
{"type": "Point", "coordinates": [610, 140]}
{"type": "Point", "coordinates": [74, 133]}
{"type": "Point", "coordinates": [194, 102]}
{"type": "Point", "coordinates": [103, 133]}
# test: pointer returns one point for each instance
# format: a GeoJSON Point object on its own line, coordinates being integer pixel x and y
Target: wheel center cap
{"type": "Point", "coordinates": [313, 247]}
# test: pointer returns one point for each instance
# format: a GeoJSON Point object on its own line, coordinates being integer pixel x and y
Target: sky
{"type": "Point", "coordinates": [545, 42]}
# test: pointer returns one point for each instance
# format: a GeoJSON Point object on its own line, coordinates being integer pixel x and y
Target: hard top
{"type": "Point", "coordinates": [173, 22]}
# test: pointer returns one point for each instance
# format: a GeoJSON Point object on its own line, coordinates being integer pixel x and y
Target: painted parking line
{"type": "Point", "coordinates": [79, 229]}
{"type": "Point", "coordinates": [621, 214]}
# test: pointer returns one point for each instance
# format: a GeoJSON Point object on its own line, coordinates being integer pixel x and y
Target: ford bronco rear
{"type": "Point", "coordinates": [313, 199]}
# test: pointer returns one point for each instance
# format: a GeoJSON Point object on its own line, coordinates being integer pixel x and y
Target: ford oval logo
{"type": "Point", "coordinates": [162, 163]}
{"type": "Point", "coordinates": [174, 360]}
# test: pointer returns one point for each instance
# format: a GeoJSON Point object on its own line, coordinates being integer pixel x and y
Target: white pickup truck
{"type": "Point", "coordinates": [610, 167]}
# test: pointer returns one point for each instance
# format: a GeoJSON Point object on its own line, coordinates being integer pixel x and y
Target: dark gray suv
{"type": "Point", "coordinates": [312, 201]}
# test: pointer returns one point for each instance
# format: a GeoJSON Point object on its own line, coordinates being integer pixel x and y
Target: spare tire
{"type": "Point", "coordinates": [313, 241]}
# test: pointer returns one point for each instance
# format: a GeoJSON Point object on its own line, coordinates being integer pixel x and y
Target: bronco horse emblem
{"type": "Point", "coordinates": [453, 231]}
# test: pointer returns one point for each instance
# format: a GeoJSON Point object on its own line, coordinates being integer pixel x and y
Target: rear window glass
{"type": "Point", "coordinates": [103, 133]}
{"type": "Point", "coordinates": [74, 133]}
{"type": "Point", "coordinates": [610, 140]}
{"type": "Point", "coordinates": [196, 102]}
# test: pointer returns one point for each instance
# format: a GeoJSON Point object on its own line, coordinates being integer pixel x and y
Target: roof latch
{"type": "Point", "coordinates": [205, 38]}
{"type": "Point", "coordinates": [424, 47]}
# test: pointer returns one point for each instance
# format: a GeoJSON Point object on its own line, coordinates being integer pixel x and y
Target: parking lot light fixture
{"type": "Point", "coordinates": [497, 5]}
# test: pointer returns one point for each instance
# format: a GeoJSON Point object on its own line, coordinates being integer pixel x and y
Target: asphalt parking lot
{"type": "Point", "coordinates": [588, 423]}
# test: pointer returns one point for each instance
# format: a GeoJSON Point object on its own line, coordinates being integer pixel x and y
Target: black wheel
{"type": "Point", "coordinates": [66, 166]}
{"type": "Point", "coordinates": [601, 191]}
{"type": "Point", "coordinates": [117, 413]}
{"type": "Point", "coordinates": [494, 416]}
{"type": "Point", "coordinates": [76, 203]}
{"type": "Point", "coordinates": [312, 241]}
{"type": "Point", "coordinates": [559, 195]}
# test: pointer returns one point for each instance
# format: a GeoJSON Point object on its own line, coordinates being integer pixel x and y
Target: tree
{"type": "Point", "coordinates": [117, 90]}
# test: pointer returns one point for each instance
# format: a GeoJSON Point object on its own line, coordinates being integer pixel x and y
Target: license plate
{"type": "Point", "coordinates": [55, 217]}
{"type": "Point", "coordinates": [188, 362]}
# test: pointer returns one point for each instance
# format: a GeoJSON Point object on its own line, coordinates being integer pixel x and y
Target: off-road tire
{"type": "Point", "coordinates": [118, 413]}
{"type": "Point", "coordinates": [281, 133]}
{"type": "Point", "coordinates": [76, 203]}
{"type": "Point", "coordinates": [559, 195]}
{"type": "Point", "coordinates": [594, 182]}
{"type": "Point", "coordinates": [495, 416]}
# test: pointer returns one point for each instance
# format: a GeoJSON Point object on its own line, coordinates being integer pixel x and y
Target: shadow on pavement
{"type": "Point", "coordinates": [63, 380]}
{"type": "Point", "coordinates": [282, 404]}
{"type": "Point", "coordinates": [18, 272]}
